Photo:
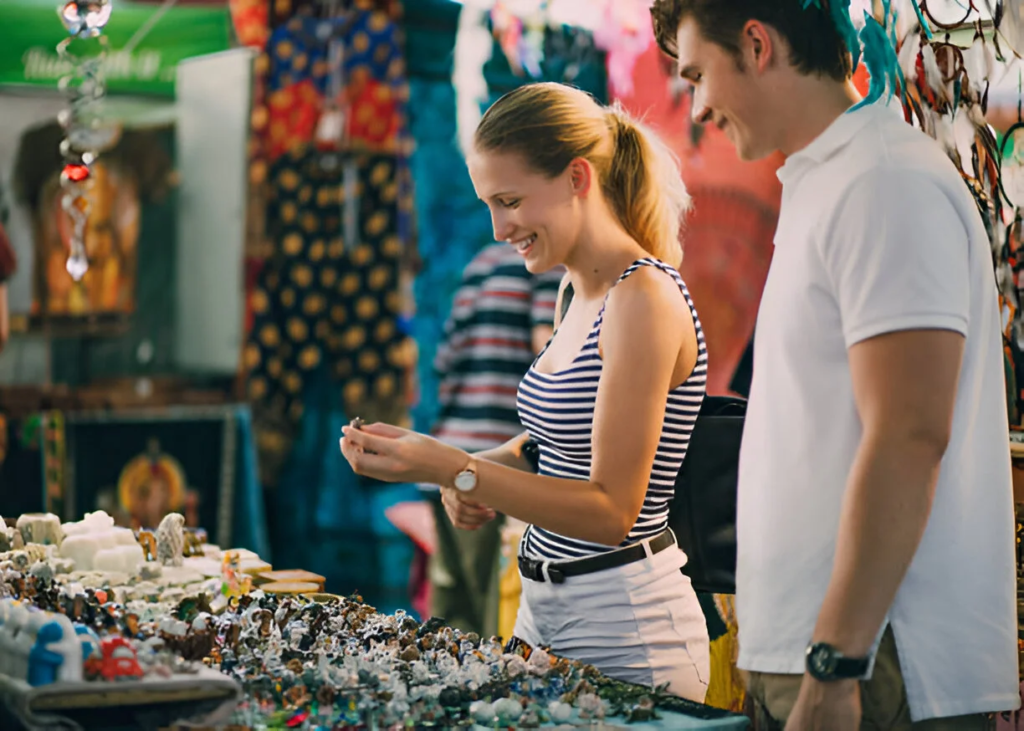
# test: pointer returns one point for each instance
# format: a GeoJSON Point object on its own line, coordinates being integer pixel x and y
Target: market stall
{"type": "Point", "coordinates": [105, 627]}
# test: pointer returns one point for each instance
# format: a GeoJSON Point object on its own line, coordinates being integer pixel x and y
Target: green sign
{"type": "Point", "coordinates": [30, 31]}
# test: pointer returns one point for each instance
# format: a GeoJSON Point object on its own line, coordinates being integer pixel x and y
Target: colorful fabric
{"type": "Point", "coordinates": [452, 226]}
{"type": "Point", "coordinates": [251, 19]}
{"type": "Point", "coordinates": [322, 298]}
{"type": "Point", "coordinates": [299, 48]}
{"type": "Point", "coordinates": [293, 113]}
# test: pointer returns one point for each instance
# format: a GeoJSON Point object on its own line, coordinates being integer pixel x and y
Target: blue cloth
{"type": "Point", "coordinates": [250, 521]}
{"type": "Point", "coordinates": [452, 224]}
{"type": "Point", "coordinates": [328, 520]}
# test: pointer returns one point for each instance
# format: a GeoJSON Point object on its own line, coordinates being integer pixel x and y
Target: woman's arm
{"type": "Point", "coordinates": [639, 355]}
{"type": "Point", "coordinates": [509, 454]}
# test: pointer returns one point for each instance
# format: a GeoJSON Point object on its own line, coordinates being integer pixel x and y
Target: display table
{"type": "Point", "coordinates": [105, 628]}
{"type": "Point", "coordinates": [206, 698]}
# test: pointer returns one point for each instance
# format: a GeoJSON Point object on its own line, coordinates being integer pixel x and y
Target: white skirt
{"type": "Point", "coordinates": [640, 623]}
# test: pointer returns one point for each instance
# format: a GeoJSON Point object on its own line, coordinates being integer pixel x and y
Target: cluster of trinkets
{"type": "Point", "coordinates": [304, 662]}
{"type": "Point", "coordinates": [323, 665]}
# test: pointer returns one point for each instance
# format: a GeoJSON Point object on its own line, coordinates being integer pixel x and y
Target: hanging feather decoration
{"type": "Point", "coordinates": [881, 61]}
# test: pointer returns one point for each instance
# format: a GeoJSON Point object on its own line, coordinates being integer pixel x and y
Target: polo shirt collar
{"type": "Point", "coordinates": [835, 137]}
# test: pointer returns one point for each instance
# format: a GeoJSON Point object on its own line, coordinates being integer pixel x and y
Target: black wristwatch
{"type": "Point", "coordinates": [827, 664]}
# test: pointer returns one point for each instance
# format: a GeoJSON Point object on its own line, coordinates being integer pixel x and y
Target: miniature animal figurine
{"type": "Point", "coordinates": [170, 540]}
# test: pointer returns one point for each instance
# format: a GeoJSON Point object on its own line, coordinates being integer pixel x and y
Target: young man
{"type": "Point", "coordinates": [875, 516]}
{"type": "Point", "coordinates": [501, 318]}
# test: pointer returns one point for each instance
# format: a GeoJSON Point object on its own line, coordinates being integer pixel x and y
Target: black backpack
{"type": "Point", "coordinates": [702, 513]}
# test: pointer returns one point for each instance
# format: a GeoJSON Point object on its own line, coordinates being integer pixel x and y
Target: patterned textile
{"type": "Point", "coordinates": [324, 299]}
{"type": "Point", "coordinates": [251, 20]}
{"type": "Point", "coordinates": [372, 80]}
{"type": "Point", "coordinates": [557, 410]}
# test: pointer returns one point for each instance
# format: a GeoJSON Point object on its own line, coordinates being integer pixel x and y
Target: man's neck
{"type": "Point", "coordinates": [822, 102]}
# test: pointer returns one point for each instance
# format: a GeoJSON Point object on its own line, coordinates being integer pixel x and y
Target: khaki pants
{"type": "Point", "coordinates": [883, 699]}
{"type": "Point", "coordinates": [464, 574]}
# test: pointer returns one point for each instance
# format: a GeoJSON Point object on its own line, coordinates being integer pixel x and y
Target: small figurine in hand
{"type": "Point", "coordinates": [170, 540]}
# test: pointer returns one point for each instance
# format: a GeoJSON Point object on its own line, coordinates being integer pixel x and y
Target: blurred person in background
{"type": "Point", "coordinates": [502, 316]}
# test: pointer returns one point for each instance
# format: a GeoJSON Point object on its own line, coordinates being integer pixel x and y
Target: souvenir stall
{"type": "Point", "coordinates": [103, 402]}
{"type": "Point", "coordinates": [104, 627]}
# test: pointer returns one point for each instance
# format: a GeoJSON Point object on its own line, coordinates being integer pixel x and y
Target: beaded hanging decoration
{"type": "Point", "coordinates": [83, 53]}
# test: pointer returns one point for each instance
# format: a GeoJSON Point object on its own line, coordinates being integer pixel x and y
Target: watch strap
{"type": "Point", "coordinates": [851, 667]}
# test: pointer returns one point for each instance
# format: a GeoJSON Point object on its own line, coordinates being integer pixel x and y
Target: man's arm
{"type": "Point", "coordinates": [904, 386]}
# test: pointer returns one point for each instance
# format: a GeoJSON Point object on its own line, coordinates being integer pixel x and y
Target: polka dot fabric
{"type": "Point", "coordinates": [321, 299]}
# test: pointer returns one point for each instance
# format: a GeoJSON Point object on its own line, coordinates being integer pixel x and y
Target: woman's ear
{"type": "Point", "coordinates": [581, 173]}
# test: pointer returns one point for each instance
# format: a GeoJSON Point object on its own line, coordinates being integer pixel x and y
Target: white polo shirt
{"type": "Point", "coordinates": [878, 233]}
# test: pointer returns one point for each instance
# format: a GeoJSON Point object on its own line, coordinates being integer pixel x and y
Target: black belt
{"type": "Point", "coordinates": [557, 573]}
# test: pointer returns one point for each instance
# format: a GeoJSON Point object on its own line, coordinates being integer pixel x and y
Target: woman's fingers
{"type": "Point", "coordinates": [465, 515]}
{"type": "Point", "coordinates": [385, 430]}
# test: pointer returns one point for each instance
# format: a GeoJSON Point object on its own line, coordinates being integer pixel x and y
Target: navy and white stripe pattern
{"type": "Point", "coordinates": [558, 412]}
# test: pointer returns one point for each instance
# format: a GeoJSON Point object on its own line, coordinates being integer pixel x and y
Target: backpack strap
{"type": "Point", "coordinates": [567, 294]}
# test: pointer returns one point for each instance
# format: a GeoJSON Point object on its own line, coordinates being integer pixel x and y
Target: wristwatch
{"type": "Point", "coordinates": [465, 481]}
{"type": "Point", "coordinates": [827, 664]}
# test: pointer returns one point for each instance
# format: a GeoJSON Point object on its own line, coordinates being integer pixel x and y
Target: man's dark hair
{"type": "Point", "coordinates": [815, 46]}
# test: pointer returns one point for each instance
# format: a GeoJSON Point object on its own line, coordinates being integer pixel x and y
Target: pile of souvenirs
{"type": "Point", "coordinates": [82, 602]}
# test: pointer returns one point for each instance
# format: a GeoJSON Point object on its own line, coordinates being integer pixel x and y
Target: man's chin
{"type": "Point", "coordinates": [749, 153]}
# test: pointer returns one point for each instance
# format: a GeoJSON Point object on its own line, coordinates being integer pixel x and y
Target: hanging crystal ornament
{"type": "Point", "coordinates": [82, 53]}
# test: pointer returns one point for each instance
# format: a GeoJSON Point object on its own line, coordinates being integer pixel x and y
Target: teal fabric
{"type": "Point", "coordinates": [326, 519]}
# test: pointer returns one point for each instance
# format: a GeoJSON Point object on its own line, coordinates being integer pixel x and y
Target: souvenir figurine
{"type": "Point", "coordinates": [147, 540]}
{"type": "Point", "coordinates": [170, 540]}
{"type": "Point", "coordinates": [42, 528]}
{"type": "Point", "coordinates": [235, 583]}
{"type": "Point", "coordinates": [91, 653]}
{"type": "Point", "coordinates": [119, 659]}
{"type": "Point", "coordinates": [56, 654]}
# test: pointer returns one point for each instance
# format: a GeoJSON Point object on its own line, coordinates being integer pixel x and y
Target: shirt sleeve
{"type": "Point", "coordinates": [543, 295]}
{"type": "Point", "coordinates": [8, 259]}
{"type": "Point", "coordinates": [898, 256]}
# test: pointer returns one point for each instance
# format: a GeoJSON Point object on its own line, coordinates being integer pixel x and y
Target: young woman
{"type": "Point", "coordinates": [611, 401]}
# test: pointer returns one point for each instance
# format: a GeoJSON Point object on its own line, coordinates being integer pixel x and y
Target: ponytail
{"type": "Point", "coordinates": [644, 187]}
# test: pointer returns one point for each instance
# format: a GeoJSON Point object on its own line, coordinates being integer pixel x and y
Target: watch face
{"type": "Point", "coordinates": [465, 481]}
{"type": "Point", "coordinates": [821, 661]}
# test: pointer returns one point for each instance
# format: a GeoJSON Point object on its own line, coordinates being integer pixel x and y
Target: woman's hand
{"type": "Point", "coordinates": [391, 454]}
{"type": "Point", "coordinates": [464, 513]}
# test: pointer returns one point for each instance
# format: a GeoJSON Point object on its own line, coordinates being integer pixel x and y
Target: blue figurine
{"type": "Point", "coordinates": [43, 663]}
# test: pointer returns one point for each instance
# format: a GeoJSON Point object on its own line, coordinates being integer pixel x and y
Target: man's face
{"type": "Point", "coordinates": [726, 91]}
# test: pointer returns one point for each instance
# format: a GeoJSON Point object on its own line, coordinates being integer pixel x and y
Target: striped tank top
{"type": "Point", "coordinates": [558, 413]}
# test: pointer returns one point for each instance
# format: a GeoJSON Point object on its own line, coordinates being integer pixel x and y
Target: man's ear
{"type": "Point", "coordinates": [758, 45]}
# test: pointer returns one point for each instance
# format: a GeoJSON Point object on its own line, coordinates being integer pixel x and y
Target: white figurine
{"type": "Point", "coordinates": [43, 528]}
{"type": "Point", "coordinates": [170, 540]}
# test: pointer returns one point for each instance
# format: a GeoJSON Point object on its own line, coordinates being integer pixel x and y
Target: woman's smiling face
{"type": "Point", "coordinates": [539, 216]}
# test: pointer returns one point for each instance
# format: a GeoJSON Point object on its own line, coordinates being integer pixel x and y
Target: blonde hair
{"type": "Point", "coordinates": [550, 125]}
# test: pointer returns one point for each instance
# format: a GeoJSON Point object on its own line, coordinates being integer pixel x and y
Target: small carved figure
{"type": "Point", "coordinates": [170, 540]}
